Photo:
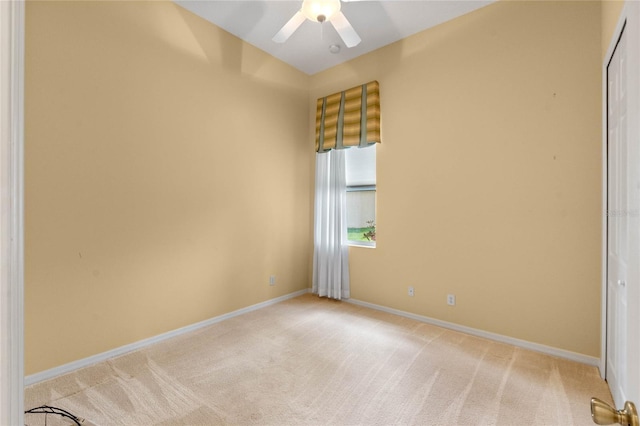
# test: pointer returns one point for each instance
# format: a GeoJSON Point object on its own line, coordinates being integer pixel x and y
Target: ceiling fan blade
{"type": "Point", "coordinates": [289, 28]}
{"type": "Point", "coordinates": [345, 30]}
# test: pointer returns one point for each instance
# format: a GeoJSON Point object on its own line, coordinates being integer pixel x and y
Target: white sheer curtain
{"type": "Point", "coordinates": [331, 254]}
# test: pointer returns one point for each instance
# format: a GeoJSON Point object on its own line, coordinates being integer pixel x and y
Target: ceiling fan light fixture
{"type": "Point", "coordinates": [320, 10]}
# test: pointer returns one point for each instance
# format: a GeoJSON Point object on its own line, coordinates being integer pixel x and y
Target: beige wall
{"type": "Point", "coordinates": [146, 210]}
{"type": "Point", "coordinates": [610, 13]}
{"type": "Point", "coordinates": [167, 176]}
{"type": "Point", "coordinates": [489, 174]}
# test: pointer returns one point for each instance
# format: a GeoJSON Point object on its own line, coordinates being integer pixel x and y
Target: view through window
{"type": "Point", "coordinates": [361, 195]}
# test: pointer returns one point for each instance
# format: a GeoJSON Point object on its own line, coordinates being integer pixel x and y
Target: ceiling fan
{"type": "Point", "coordinates": [320, 11]}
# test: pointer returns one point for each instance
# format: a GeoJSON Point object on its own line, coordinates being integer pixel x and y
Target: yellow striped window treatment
{"type": "Point", "coordinates": [349, 118]}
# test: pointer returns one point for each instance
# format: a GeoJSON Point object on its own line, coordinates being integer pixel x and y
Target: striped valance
{"type": "Point", "coordinates": [349, 118]}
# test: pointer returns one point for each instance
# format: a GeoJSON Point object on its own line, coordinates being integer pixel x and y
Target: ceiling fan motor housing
{"type": "Point", "coordinates": [320, 10]}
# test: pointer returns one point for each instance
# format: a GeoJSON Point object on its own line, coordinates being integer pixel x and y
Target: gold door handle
{"type": "Point", "coordinates": [603, 414]}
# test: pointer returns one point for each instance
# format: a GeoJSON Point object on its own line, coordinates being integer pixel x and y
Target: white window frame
{"type": "Point", "coordinates": [363, 185]}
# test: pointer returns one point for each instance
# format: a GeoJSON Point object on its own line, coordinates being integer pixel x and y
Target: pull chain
{"type": "Point", "coordinates": [322, 19]}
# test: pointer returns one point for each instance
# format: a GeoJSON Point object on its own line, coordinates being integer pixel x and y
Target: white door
{"type": "Point", "coordinates": [617, 221]}
{"type": "Point", "coordinates": [623, 209]}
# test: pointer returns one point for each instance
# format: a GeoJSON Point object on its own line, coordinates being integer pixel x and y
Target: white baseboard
{"type": "Point", "coordinates": [560, 353]}
{"type": "Point", "coordinates": [86, 362]}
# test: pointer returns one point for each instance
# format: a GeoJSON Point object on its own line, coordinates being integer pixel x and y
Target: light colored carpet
{"type": "Point", "coordinates": [310, 361]}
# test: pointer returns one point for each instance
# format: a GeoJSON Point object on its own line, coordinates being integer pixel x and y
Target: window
{"type": "Point", "coordinates": [361, 195]}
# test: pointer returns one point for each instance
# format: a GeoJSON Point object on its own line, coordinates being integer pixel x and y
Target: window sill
{"type": "Point", "coordinates": [363, 244]}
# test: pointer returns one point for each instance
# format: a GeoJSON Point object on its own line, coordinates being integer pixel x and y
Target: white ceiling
{"type": "Point", "coordinates": [378, 23]}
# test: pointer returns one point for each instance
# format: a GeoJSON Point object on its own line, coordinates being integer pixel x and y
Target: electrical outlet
{"type": "Point", "coordinates": [451, 299]}
{"type": "Point", "coordinates": [272, 280]}
{"type": "Point", "coordinates": [411, 291]}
